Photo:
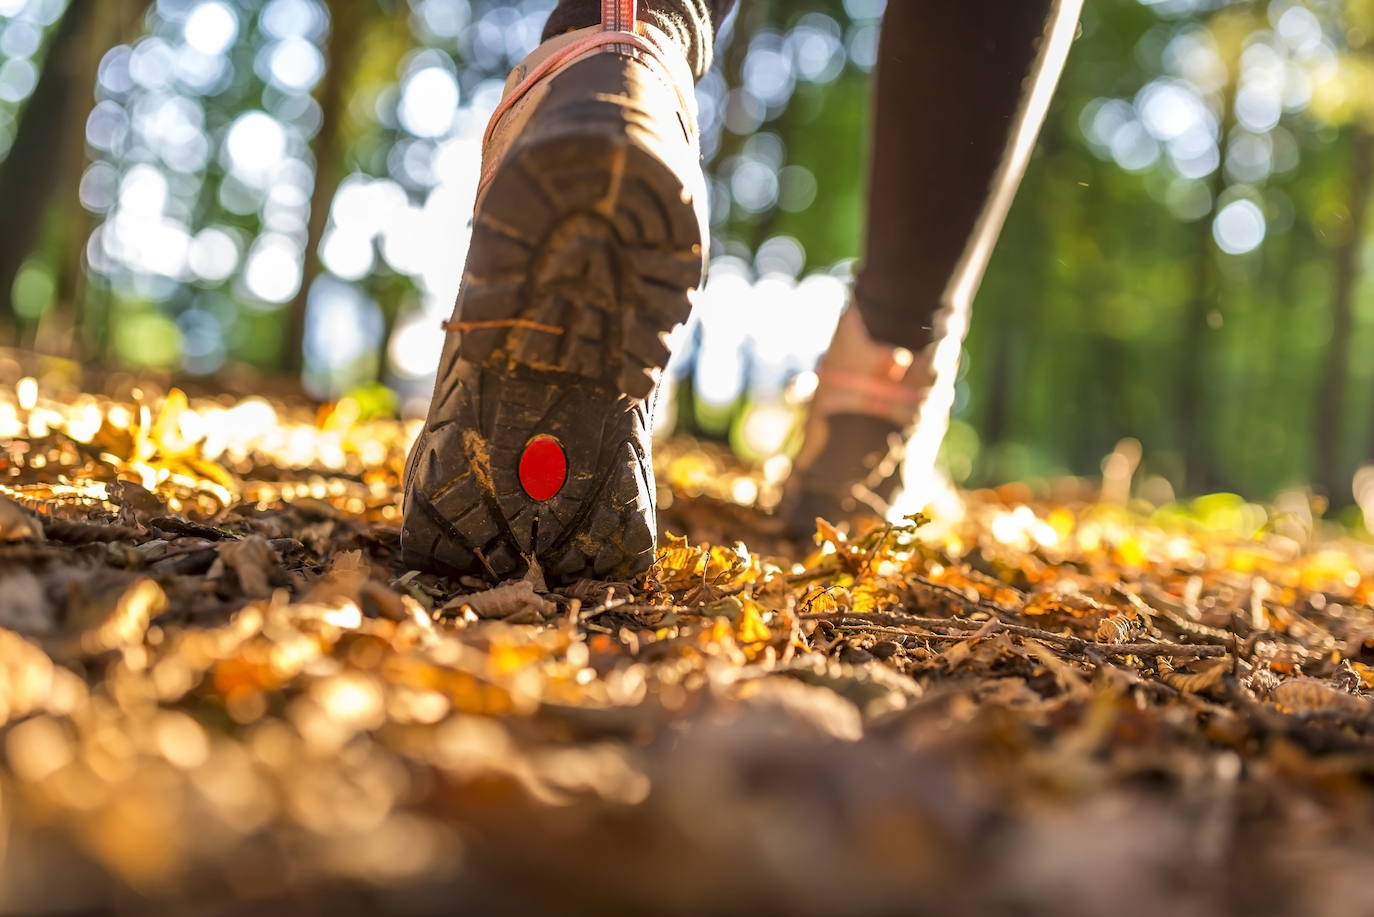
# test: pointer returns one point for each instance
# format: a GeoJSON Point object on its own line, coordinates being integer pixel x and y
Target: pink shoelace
{"type": "Point", "coordinates": [619, 20]}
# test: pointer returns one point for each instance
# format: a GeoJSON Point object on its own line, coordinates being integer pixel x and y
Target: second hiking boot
{"type": "Point", "coordinates": [588, 237]}
{"type": "Point", "coordinates": [877, 407]}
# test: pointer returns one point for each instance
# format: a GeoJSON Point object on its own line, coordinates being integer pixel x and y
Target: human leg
{"type": "Point", "coordinates": [588, 236]}
{"type": "Point", "coordinates": [690, 24]}
{"type": "Point", "coordinates": [961, 92]}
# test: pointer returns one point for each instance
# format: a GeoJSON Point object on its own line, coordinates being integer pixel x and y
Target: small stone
{"type": "Point", "coordinates": [853, 655]}
{"type": "Point", "coordinates": [23, 606]}
{"type": "Point", "coordinates": [17, 523]}
{"type": "Point", "coordinates": [137, 505]}
{"type": "Point", "coordinates": [729, 607]}
{"type": "Point", "coordinates": [886, 649]}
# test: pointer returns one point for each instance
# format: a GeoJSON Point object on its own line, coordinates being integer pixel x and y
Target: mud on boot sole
{"type": "Point", "coordinates": [585, 249]}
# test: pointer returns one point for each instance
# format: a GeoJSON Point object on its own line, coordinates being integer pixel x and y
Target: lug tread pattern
{"type": "Point", "coordinates": [591, 227]}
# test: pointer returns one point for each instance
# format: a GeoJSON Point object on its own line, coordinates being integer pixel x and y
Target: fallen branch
{"type": "Point", "coordinates": [959, 596]}
{"type": "Point", "coordinates": [1071, 644]}
{"type": "Point", "coordinates": [522, 323]}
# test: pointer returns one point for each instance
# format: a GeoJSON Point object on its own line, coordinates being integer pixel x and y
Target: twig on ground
{"type": "Point", "coordinates": [522, 323]}
{"type": "Point", "coordinates": [1072, 644]}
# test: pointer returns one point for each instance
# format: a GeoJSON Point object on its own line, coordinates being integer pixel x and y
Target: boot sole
{"type": "Point", "coordinates": [584, 254]}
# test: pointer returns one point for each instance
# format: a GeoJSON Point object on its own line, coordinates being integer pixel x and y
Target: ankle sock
{"type": "Point", "coordinates": [689, 24]}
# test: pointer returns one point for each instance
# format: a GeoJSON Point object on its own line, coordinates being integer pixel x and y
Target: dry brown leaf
{"type": "Point", "coordinates": [101, 618]}
{"type": "Point", "coordinates": [1308, 695]}
{"type": "Point", "coordinates": [503, 602]}
{"type": "Point", "coordinates": [959, 653]}
{"type": "Point", "coordinates": [345, 579]}
{"type": "Point", "coordinates": [1007, 692]}
{"type": "Point", "coordinates": [1122, 627]}
{"type": "Point", "coordinates": [382, 601]}
{"type": "Point", "coordinates": [137, 505]}
{"type": "Point", "coordinates": [24, 607]}
{"type": "Point", "coordinates": [17, 524]}
{"type": "Point", "coordinates": [1067, 677]}
{"type": "Point", "coordinates": [1053, 603]}
{"type": "Point", "coordinates": [253, 560]}
{"type": "Point", "coordinates": [1204, 679]}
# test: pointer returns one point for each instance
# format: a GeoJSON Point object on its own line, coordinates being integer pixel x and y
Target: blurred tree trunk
{"type": "Point", "coordinates": [27, 176]}
{"type": "Point", "coordinates": [1191, 407]}
{"type": "Point", "coordinates": [1283, 393]}
{"type": "Point", "coordinates": [345, 26]}
{"type": "Point", "coordinates": [1192, 373]}
{"type": "Point", "coordinates": [49, 145]}
{"type": "Point", "coordinates": [1007, 347]}
{"type": "Point", "coordinates": [1010, 324]}
{"type": "Point", "coordinates": [1330, 432]}
{"type": "Point", "coordinates": [1107, 362]}
{"type": "Point", "coordinates": [111, 24]}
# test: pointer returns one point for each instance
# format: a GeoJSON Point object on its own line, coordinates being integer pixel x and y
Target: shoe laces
{"type": "Point", "coordinates": [620, 32]}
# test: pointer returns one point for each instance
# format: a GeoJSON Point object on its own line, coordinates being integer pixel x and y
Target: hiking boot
{"type": "Point", "coordinates": [588, 238]}
{"type": "Point", "coordinates": [859, 429]}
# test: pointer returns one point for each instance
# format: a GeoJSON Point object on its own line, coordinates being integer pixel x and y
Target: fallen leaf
{"type": "Point", "coordinates": [137, 505]}
{"type": "Point", "coordinates": [101, 618]}
{"type": "Point", "coordinates": [1308, 695]}
{"type": "Point", "coordinates": [1204, 679]}
{"type": "Point", "coordinates": [254, 561]}
{"type": "Point", "coordinates": [503, 601]}
{"type": "Point", "coordinates": [17, 523]}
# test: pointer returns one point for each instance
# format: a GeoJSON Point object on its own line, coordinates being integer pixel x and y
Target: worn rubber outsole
{"type": "Point", "coordinates": [856, 470]}
{"type": "Point", "coordinates": [585, 250]}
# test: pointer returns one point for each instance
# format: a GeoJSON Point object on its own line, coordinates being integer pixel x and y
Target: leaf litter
{"type": "Point", "coordinates": [220, 691]}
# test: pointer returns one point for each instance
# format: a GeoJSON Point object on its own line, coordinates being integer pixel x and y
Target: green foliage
{"type": "Point", "coordinates": [1110, 308]}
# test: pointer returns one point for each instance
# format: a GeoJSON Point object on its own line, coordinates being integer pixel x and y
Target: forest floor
{"type": "Point", "coordinates": [221, 693]}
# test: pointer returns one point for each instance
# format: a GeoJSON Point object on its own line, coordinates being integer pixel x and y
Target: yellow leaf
{"type": "Point", "coordinates": [1199, 681]}
{"type": "Point", "coordinates": [679, 563]}
{"type": "Point", "coordinates": [682, 565]}
{"type": "Point", "coordinates": [751, 628]}
{"type": "Point", "coordinates": [166, 433]}
{"type": "Point", "coordinates": [870, 597]}
{"type": "Point", "coordinates": [827, 532]}
{"type": "Point", "coordinates": [725, 563]}
{"type": "Point", "coordinates": [721, 631]}
{"type": "Point", "coordinates": [822, 600]}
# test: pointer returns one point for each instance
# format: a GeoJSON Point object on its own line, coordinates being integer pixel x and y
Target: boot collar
{"type": "Point", "coordinates": [644, 42]}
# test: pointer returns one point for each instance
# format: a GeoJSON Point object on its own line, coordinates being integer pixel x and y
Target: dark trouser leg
{"type": "Point", "coordinates": [690, 23]}
{"type": "Point", "coordinates": [962, 90]}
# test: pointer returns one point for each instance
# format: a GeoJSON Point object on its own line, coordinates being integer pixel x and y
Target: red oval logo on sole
{"type": "Point", "coordinates": [543, 468]}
